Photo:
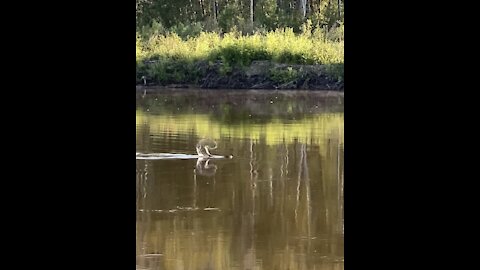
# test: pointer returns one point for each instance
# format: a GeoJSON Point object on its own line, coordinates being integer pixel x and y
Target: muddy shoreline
{"type": "Point", "coordinates": [180, 88]}
{"type": "Point", "coordinates": [260, 75]}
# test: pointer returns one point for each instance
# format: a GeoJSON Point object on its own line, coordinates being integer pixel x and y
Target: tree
{"type": "Point", "coordinates": [252, 4]}
{"type": "Point", "coordinates": [243, 14]}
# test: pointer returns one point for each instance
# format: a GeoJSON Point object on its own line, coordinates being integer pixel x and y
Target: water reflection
{"type": "Point", "coordinates": [205, 168]}
{"type": "Point", "coordinates": [277, 205]}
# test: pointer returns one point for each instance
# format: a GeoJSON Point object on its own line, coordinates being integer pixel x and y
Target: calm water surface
{"type": "Point", "coordinates": [278, 204]}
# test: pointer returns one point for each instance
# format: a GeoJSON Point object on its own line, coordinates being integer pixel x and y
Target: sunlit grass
{"type": "Point", "coordinates": [281, 45]}
{"type": "Point", "coordinates": [175, 55]}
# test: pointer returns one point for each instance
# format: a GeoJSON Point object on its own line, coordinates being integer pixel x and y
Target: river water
{"type": "Point", "coordinates": [277, 204]}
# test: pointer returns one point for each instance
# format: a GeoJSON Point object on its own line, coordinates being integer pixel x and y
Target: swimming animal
{"type": "Point", "coordinates": [203, 148]}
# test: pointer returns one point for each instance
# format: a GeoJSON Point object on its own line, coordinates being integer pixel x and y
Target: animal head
{"type": "Point", "coordinates": [207, 143]}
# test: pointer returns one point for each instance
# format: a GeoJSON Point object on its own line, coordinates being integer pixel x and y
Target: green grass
{"type": "Point", "coordinates": [176, 57]}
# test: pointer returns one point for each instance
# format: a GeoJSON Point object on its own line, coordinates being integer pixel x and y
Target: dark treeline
{"type": "Point", "coordinates": [241, 15]}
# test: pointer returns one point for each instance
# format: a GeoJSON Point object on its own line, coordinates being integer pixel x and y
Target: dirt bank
{"type": "Point", "coordinates": [259, 75]}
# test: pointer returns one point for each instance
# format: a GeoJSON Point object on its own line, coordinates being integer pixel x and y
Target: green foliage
{"type": "Point", "coordinates": [154, 29]}
{"type": "Point", "coordinates": [230, 19]}
{"type": "Point", "coordinates": [173, 36]}
{"type": "Point", "coordinates": [268, 14]}
{"type": "Point", "coordinates": [336, 33]}
{"type": "Point", "coordinates": [335, 71]}
{"type": "Point", "coordinates": [182, 30]}
{"type": "Point", "coordinates": [175, 57]}
{"type": "Point", "coordinates": [241, 55]}
{"type": "Point", "coordinates": [189, 30]}
{"type": "Point", "coordinates": [283, 75]}
{"type": "Point", "coordinates": [225, 69]}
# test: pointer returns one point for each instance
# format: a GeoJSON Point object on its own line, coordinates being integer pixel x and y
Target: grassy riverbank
{"type": "Point", "coordinates": [212, 60]}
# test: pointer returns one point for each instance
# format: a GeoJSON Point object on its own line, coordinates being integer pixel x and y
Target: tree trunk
{"type": "Point", "coordinates": [214, 3]}
{"type": "Point", "coordinates": [339, 11]}
{"type": "Point", "coordinates": [303, 7]}
{"type": "Point", "coordinates": [252, 3]}
{"type": "Point", "coordinates": [203, 8]}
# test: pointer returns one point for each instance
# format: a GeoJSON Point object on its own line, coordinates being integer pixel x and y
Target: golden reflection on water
{"type": "Point", "coordinates": [278, 204]}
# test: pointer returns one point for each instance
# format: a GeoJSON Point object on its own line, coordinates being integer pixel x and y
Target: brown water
{"type": "Point", "coordinates": [278, 204]}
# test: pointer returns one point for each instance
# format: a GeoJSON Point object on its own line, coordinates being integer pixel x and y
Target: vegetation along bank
{"type": "Point", "coordinates": [281, 58]}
